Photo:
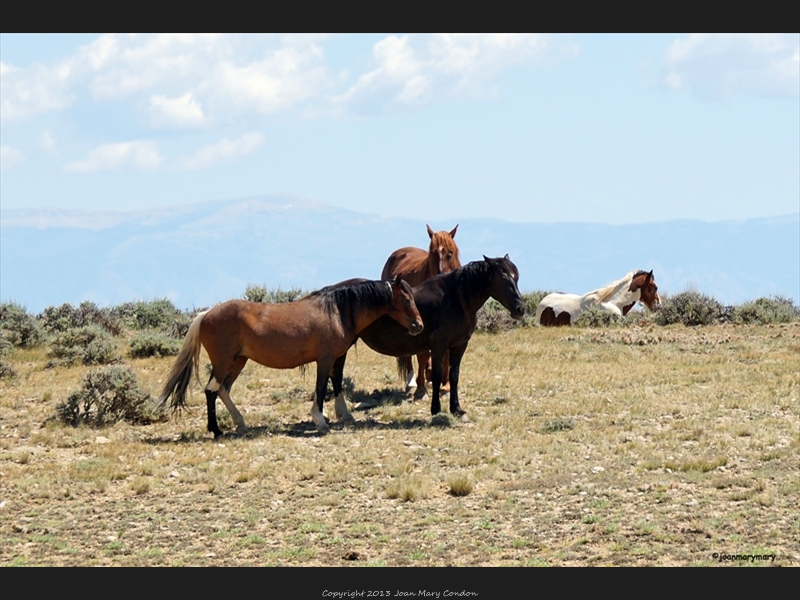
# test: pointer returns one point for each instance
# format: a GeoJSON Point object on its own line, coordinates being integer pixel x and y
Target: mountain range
{"type": "Point", "coordinates": [198, 255]}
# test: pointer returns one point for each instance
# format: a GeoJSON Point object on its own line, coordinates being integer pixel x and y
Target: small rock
{"type": "Point", "coordinates": [101, 440]}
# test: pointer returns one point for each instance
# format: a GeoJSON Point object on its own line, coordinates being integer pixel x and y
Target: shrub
{"type": "Point", "coordinates": [59, 319]}
{"type": "Point", "coordinates": [18, 328]}
{"type": "Point", "coordinates": [180, 325]}
{"type": "Point", "coordinates": [690, 308]}
{"type": "Point", "coordinates": [90, 345]}
{"type": "Point", "coordinates": [144, 345]}
{"type": "Point", "coordinates": [558, 424]}
{"type": "Point", "coordinates": [766, 310]}
{"type": "Point", "coordinates": [260, 293]}
{"type": "Point", "coordinates": [6, 370]}
{"type": "Point", "coordinates": [493, 318]}
{"type": "Point", "coordinates": [460, 485]}
{"type": "Point", "coordinates": [532, 301]}
{"type": "Point", "coordinates": [107, 395]}
{"type": "Point", "coordinates": [153, 314]}
{"type": "Point", "coordinates": [597, 317]}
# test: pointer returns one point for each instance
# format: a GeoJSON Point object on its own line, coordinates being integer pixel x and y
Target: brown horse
{"type": "Point", "coordinates": [318, 328]}
{"type": "Point", "coordinates": [416, 265]}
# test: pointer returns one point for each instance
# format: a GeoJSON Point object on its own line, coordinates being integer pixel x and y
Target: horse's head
{"type": "Point", "coordinates": [648, 289]}
{"type": "Point", "coordinates": [504, 285]}
{"type": "Point", "coordinates": [443, 252]}
{"type": "Point", "coordinates": [403, 309]}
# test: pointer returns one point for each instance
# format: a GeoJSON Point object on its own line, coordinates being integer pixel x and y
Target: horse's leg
{"type": "Point", "coordinates": [446, 373]}
{"type": "Point", "coordinates": [436, 380]}
{"type": "Point", "coordinates": [337, 375]}
{"type": "Point", "coordinates": [224, 394]}
{"type": "Point", "coordinates": [323, 372]}
{"type": "Point", "coordinates": [212, 389]}
{"type": "Point", "coordinates": [408, 369]}
{"type": "Point", "coordinates": [456, 354]}
{"type": "Point", "coordinates": [424, 373]}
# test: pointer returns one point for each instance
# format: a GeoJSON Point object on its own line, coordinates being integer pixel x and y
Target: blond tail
{"type": "Point", "coordinates": [181, 373]}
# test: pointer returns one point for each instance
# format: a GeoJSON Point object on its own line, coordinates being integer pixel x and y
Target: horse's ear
{"type": "Point", "coordinates": [430, 231]}
{"type": "Point", "coordinates": [453, 233]}
{"type": "Point", "coordinates": [486, 258]}
{"type": "Point", "coordinates": [649, 277]}
{"type": "Point", "coordinates": [398, 279]}
{"type": "Point", "coordinates": [506, 257]}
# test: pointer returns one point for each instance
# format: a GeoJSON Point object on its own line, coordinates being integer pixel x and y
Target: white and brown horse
{"type": "Point", "coordinates": [318, 328]}
{"type": "Point", "coordinates": [617, 298]}
{"type": "Point", "coordinates": [415, 266]}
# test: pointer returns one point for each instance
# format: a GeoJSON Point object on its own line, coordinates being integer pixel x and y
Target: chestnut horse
{"type": "Point", "coordinates": [318, 328]}
{"type": "Point", "coordinates": [449, 304]}
{"type": "Point", "coordinates": [416, 265]}
{"type": "Point", "coordinates": [617, 297]}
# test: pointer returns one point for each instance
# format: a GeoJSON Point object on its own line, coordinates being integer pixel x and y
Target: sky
{"type": "Point", "coordinates": [529, 128]}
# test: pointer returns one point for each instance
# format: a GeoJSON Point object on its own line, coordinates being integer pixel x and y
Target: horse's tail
{"type": "Point", "coordinates": [181, 373]}
{"type": "Point", "coordinates": [404, 365]}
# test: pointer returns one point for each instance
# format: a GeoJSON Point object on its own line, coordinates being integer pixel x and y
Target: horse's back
{"type": "Point", "coordinates": [282, 335]}
{"type": "Point", "coordinates": [409, 262]}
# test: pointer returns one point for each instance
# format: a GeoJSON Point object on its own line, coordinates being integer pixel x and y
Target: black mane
{"type": "Point", "coordinates": [345, 296]}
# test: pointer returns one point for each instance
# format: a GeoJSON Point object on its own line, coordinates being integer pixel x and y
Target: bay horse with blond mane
{"type": "Point", "coordinates": [416, 265]}
{"type": "Point", "coordinates": [617, 297]}
{"type": "Point", "coordinates": [317, 328]}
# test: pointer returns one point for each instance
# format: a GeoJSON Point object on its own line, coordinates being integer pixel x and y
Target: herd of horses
{"type": "Point", "coordinates": [424, 305]}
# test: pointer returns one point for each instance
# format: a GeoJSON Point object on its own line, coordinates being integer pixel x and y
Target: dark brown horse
{"type": "Point", "coordinates": [318, 328]}
{"type": "Point", "coordinates": [448, 304]}
{"type": "Point", "coordinates": [416, 265]}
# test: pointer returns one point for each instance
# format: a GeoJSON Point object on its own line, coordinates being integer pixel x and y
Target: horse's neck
{"type": "Point", "coordinates": [622, 296]}
{"type": "Point", "coordinates": [365, 318]}
{"type": "Point", "coordinates": [476, 298]}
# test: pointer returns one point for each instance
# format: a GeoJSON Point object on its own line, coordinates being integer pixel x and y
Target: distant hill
{"type": "Point", "coordinates": [198, 255]}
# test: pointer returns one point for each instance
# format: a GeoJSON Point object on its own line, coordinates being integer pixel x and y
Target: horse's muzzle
{"type": "Point", "coordinates": [518, 310]}
{"type": "Point", "coordinates": [415, 328]}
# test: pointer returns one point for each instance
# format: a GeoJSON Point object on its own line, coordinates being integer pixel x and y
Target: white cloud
{"type": "Point", "coordinates": [718, 66]}
{"type": "Point", "coordinates": [183, 112]}
{"type": "Point", "coordinates": [284, 78]}
{"type": "Point", "coordinates": [140, 154]}
{"type": "Point", "coordinates": [9, 157]}
{"type": "Point", "coordinates": [223, 150]}
{"type": "Point", "coordinates": [25, 92]}
{"type": "Point", "coordinates": [414, 69]}
{"type": "Point", "coordinates": [188, 81]}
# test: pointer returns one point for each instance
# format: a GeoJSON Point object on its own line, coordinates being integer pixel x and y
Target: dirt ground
{"type": "Point", "coordinates": [642, 446]}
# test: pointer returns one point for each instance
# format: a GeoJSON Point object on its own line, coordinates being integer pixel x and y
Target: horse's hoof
{"type": "Point", "coordinates": [241, 431]}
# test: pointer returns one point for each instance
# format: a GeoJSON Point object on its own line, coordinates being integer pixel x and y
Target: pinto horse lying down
{"type": "Point", "coordinates": [617, 297]}
{"type": "Point", "coordinates": [318, 328]}
{"type": "Point", "coordinates": [448, 304]}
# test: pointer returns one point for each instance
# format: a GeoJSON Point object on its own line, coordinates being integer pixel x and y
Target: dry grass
{"type": "Point", "coordinates": [631, 446]}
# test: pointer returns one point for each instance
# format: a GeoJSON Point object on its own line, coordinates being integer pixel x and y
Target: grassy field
{"type": "Point", "coordinates": [617, 446]}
